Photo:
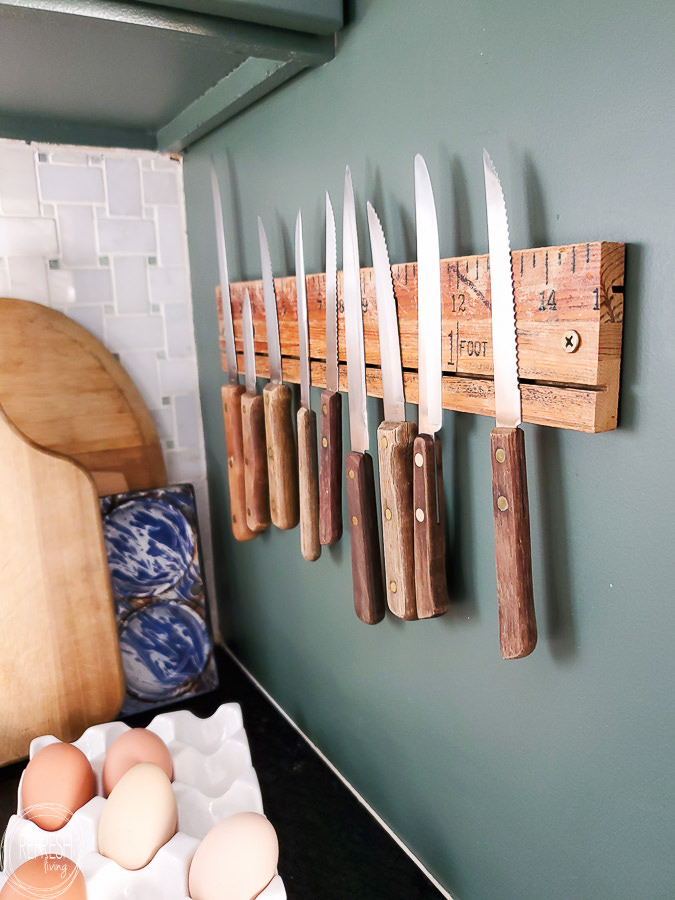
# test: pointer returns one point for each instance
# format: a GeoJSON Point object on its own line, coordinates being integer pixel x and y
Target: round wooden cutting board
{"type": "Point", "coordinates": [65, 391]}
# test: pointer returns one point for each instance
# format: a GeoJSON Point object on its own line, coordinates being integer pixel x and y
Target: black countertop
{"type": "Point", "coordinates": [331, 847]}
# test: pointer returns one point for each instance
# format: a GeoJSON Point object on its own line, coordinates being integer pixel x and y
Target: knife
{"type": "Point", "coordinates": [330, 473]}
{"type": "Point", "coordinates": [395, 439]}
{"type": "Point", "coordinates": [513, 557]}
{"type": "Point", "coordinates": [307, 460]}
{"type": "Point", "coordinates": [282, 460]}
{"type": "Point", "coordinates": [431, 588]}
{"type": "Point", "coordinates": [232, 391]}
{"type": "Point", "coordinates": [253, 429]}
{"type": "Point", "coordinates": [365, 543]}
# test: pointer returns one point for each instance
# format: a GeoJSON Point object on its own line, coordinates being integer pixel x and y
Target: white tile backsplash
{"type": "Point", "coordinates": [70, 184]}
{"type": "Point", "coordinates": [76, 235]}
{"type": "Point", "coordinates": [131, 284]}
{"type": "Point", "coordinates": [18, 182]}
{"type": "Point", "coordinates": [171, 236]}
{"type": "Point", "coordinates": [99, 234]}
{"type": "Point", "coordinates": [126, 236]}
{"type": "Point", "coordinates": [124, 187]}
{"type": "Point", "coordinates": [28, 236]}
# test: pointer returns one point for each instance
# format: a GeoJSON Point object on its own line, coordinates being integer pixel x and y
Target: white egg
{"type": "Point", "coordinates": [236, 860]}
{"type": "Point", "coordinates": [138, 818]}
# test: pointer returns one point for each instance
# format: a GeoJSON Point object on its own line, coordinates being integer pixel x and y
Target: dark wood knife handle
{"type": "Point", "coordinates": [255, 462]}
{"type": "Point", "coordinates": [282, 459]}
{"type": "Point", "coordinates": [310, 545]}
{"type": "Point", "coordinates": [330, 471]}
{"type": "Point", "coordinates": [513, 555]}
{"type": "Point", "coordinates": [431, 583]}
{"type": "Point", "coordinates": [231, 394]}
{"type": "Point", "coordinates": [364, 537]}
{"type": "Point", "coordinates": [395, 452]}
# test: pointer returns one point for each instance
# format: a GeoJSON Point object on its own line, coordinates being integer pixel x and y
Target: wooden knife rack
{"type": "Point", "coordinates": [569, 315]}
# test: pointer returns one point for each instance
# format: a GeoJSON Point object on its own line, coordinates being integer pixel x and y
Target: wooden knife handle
{"type": "Point", "coordinates": [395, 451]}
{"type": "Point", "coordinates": [330, 472]}
{"type": "Point", "coordinates": [282, 459]}
{"type": "Point", "coordinates": [365, 542]}
{"type": "Point", "coordinates": [231, 394]}
{"type": "Point", "coordinates": [255, 462]}
{"type": "Point", "coordinates": [431, 584]}
{"type": "Point", "coordinates": [309, 485]}
{"type": "Point", "coordinates": [513, 556]}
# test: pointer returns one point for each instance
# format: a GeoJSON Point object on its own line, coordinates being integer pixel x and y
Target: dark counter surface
{"type": "Point", "coordinates": [331, 847]}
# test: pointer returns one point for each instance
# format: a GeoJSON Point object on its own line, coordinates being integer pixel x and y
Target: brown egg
{"type": "Point", "coordinates": [135, 746]}
{"type": "Point", "coordinates": [45, 877]}
{"type": "Point", "coordinates": [56, 783]}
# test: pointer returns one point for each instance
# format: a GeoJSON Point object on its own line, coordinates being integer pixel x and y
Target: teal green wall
{"type": "Point", "coordinates": [549, 777]}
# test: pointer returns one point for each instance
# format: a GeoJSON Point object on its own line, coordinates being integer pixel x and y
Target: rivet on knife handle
{"type": "Point", "coordinates": [330, 472]}
{"type": "Point", "coordinates": [282, 463]}
{"type": "Point", "coordinates": [232, 394]}
{"type": "Point", "coordinates": [364, 537]}
{"type": "Point", "coordinates": [310, 545]}
{"type": "Point", "coordinates": [429, 503]}
{"type": "Point", "coordinates": [395, 452]}
{"type": "Point", "coordinates": [515, 596]}
{"type": "Point", "coordinates": [255, 462]}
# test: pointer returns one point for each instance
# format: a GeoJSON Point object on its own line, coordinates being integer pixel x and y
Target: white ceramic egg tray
{"type": "Point", "coordinates": [213, 779]}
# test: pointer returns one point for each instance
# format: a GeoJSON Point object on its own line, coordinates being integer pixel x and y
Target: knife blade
{"type": "Point", "coordinates": [308, 473]}
{"type": "Point", "coordinates": [253, 430]}
{"type": "Point", "coordinates": [330, 472]}
{"type": "Point", "coordinates": [513, 555]}
{"type": "Point", "coordinates": [395, 439]}
{"type": "Point", "coordinates": [282, 460]}
{"type": "Point", "coordinates": [431, 588]}
{"type": "Point", "coordinates": [232, 391]}
{"type": "Point", "coordinates": [361, 503]}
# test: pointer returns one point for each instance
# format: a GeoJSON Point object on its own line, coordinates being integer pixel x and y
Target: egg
{"type": "Point", "coordinates": [236, 860]}
{"type": "Point", "coordinates": [45, 877]}
{"type": "Point", "coordinates": [57, 781]}
{"type": "Point", "coordinates": [139, 816]}
{"type": "Point", "coordinates": [134, 746]}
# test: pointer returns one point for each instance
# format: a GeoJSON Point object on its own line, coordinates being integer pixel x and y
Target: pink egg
{"type": "Point", "coordinates": [138, 745]}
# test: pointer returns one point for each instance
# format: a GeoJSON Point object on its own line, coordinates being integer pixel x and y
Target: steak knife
{"type": "Point", "coordinates": [232, 391]}
{"type": "Point", "coordinates": [513, 556]}
{"type": "Point", "coordinates": [330, 472]}
{"type": "Point", "coordinates": [253, 429]}
{"type": "Point", "coordinates": [431, 588]}
{"type": "Point", "coordinates": [395, 439]}
{"type": "Point", "coordinates": [282, 460]}
{"type": "Point", "coordinates": [364, 536]}
{"type": "Point", "coordinates": [307, 459]}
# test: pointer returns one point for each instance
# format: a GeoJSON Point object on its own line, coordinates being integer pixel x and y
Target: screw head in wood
{"type": "Point", "coordinates": [324, 441]}
{"type": "Point", "coordinates": [419, 460]}
{"type": "Point", "coordinates": [324, 409]}
{"type": "Point", "coordinates": [355, 520]}
{"type": "Point", "coordinates": [270, 453]}
{"type": "Point", "coordinates": [419, 514]}
{"type": "Point", "coordinates": [392, 587]}
{"type": "Point", "coordinates": [502, 503]}
{"type": "Point", "coordinates": [571, 341]}
{"type": "Point", "coordinates": [351, 473]}
{"type": "Point", "coordinates": [500, 454]}
{"type": "Point", "coordinates": [387, 514]}
{"type": "Point", "coordinates": [383, 442]}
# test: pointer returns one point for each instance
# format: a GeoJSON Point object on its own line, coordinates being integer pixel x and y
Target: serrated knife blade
{"type": "Point", "coordinates": [510, 508]}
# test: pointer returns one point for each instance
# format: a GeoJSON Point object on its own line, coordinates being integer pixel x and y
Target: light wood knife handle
{"type": "Point", "coordinates": [309, 485]}
{"type": "Point", "coordinates": [513, 556]}
{"type": "Point", "coordinates": [431, 584]}
{"type": "Point", "coordinates": [255, 462]}
{"type": "Point", "coordinates": [395, 451]}
{"type": "Point", "coordinates": [330, 472]}
{"type": "Point", "coordinates": [282, 459]}
{"type": "Point", "coordinates": [364, 537]}
{"type": "Point", "coordinates": [231, 394]}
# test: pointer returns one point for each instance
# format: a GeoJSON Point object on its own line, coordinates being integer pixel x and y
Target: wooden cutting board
{"type": "Point", "coordinates": [64, 390]}
{"type": "Point", "coordinates": [60, 665]}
